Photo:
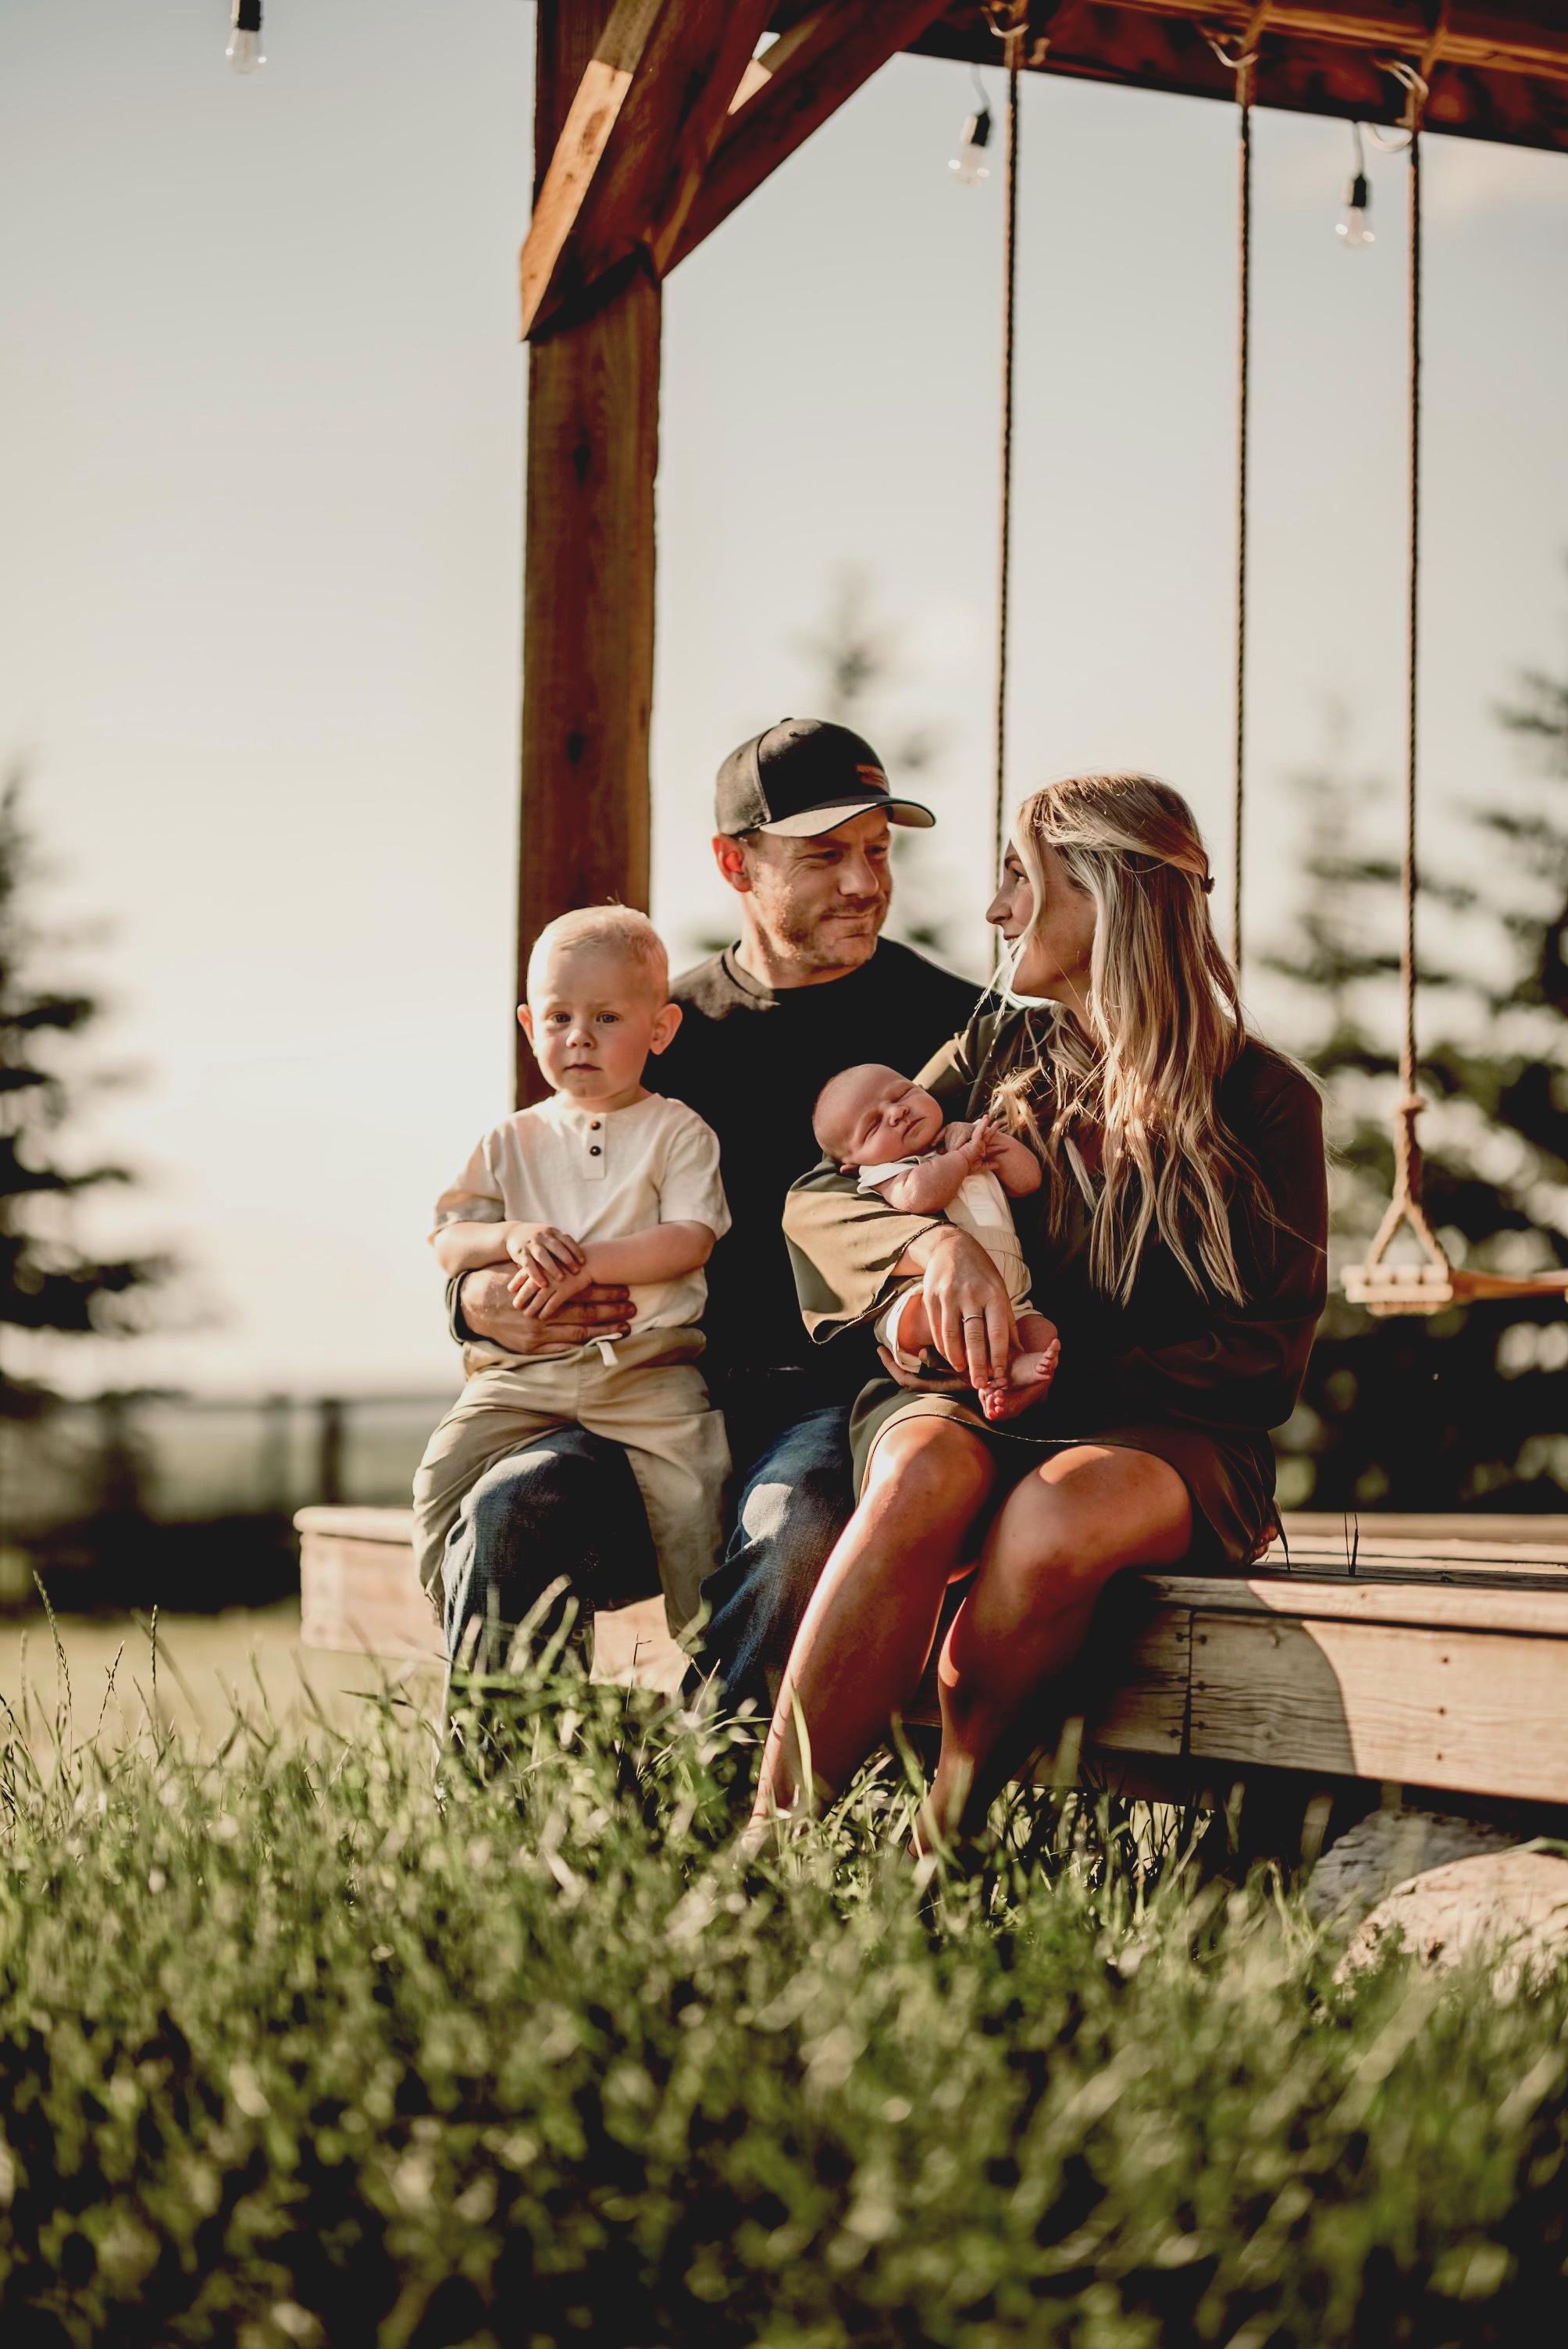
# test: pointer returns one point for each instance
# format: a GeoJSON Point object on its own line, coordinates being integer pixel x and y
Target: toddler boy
{"type": "Point", "coordinates": [604, 1182]}
{"type": "Point", "coordinates": [891, 1133]}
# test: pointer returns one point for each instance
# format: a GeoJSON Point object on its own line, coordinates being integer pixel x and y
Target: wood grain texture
{"type": "Point", "coordinates": [1486, 1714]}
{"type": "Point", "coordinates": [359, 1596]}
{"type": "Point", "coordinates": [588, 571]}
{"type": "Point", "coordinates": [799, 82]}
{"type": "Point", "coordinates": [579, 148]}
{"type": "Point", "coordinates": [1143, 1707]}
{"type": "Point", "coordinates": [588, 621]}
{"type": "Point", "coordinates": [636, 141]}
{"type": "Point", "coordinates": [1437, 1684]}
{"type": "Point", "coordinates": [1439, 1606]}
{"type": "Point", "coordinates": [1496, 72]}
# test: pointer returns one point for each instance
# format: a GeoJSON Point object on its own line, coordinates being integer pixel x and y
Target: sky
{"type": "Point", "coordinates": [261, 435]}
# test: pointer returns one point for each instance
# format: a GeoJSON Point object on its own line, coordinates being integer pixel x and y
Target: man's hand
{"type": "Point", "coordinates": [601, 1310]}
{"type": "Point", "coordinates": [546, 1301]}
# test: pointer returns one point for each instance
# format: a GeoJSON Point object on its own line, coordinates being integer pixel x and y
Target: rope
{"type": "Point", "coordinates": [1409, 878]}
{"type": "Point", "coordinates": [1244, 71]}
{"type": "Point", "coordinates": [1013, 57]}
{"type": "Point", "coordinates": [1406, 1207]}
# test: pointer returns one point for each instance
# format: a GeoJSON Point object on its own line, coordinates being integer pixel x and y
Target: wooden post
{"type": "Point", "coordinates": [588, 576]}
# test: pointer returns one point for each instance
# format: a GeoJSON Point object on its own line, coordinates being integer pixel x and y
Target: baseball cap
{"type": "Point", "coordinates": [806, 776]}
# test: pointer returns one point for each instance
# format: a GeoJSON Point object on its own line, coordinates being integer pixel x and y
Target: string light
{"type": "Point", "coordinates": [245, 51]}
{"type": "Point", "coordinates": [969, 166]}
{"type": "Point", "coordinates": [1352, 228]}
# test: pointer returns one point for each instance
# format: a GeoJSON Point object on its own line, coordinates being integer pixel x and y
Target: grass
{"type": "Point", "coordinates": [296, 2050]}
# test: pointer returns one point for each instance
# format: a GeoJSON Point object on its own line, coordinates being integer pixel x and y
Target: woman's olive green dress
{"type": "Point", "coordinates": [1196, 1380]}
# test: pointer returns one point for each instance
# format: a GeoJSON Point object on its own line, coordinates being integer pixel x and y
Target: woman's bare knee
{"type": "Point", "coordinates": [933, 1464]}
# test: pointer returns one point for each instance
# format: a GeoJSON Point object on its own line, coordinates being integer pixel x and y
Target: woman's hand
{"type": "Point", "coordinates": [967, 1308]}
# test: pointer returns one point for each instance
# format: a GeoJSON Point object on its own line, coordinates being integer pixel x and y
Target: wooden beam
{"type": "Point", "coordinates": [1497, 72]}
{"type": "Point", "coordinates": [1470, 33]}
{"type": "Point", "coordinates": [638, 133]}
{"type": "Point", "coordinates": [800, 80]}
{"type": "Point", "coordinates": [588, 577]}
{"type": "Point", "coordinates": [579, 146]}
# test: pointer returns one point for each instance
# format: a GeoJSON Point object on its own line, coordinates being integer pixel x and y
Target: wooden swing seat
{"type": "Point", "coordinates": [1386, 1289]}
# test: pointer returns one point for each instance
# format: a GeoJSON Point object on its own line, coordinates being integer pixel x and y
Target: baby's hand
{"type": "Point", "coordinates": [971, 1141]}
{"type": "Point", "coordinates": [544, 1254]}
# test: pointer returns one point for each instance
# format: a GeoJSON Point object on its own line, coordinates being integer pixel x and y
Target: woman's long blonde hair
{"type": "Point", "coordinates": [1166, 1023]}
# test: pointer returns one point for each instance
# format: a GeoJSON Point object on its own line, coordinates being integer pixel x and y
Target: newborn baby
{"type": "Point", "coordinates": [890, 1132]}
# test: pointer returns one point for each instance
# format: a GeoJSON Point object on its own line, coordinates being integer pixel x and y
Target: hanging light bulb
{"type": "Point", "coordinates": [245, 51]}
{"type": "Point", "coordinates": [969, 165]}
{"type": "Point", "coordinates": [1352, 228]}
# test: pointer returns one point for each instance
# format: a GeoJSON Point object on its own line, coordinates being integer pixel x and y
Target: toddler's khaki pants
{"type": "Point", "coordinates": [651, 1400]}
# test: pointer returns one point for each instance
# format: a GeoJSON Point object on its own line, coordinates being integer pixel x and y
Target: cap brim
{"type": "Point", "coordinates": [811, 824]}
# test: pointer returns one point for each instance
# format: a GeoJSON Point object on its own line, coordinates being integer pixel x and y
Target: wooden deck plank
{"type": "Point", "coordinates": [1439, 1606]}
{"type": "Point", "coordinates": [1385, 1701]}
{"type": "Point", "coordinates": [1421, 1669]}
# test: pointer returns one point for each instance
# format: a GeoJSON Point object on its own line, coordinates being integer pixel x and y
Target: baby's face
{"type": "Point", "coordinates": [885, 1116]}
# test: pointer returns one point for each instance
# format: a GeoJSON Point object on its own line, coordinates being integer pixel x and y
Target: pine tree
{"type": "Point", "coordinates": [47, 1281]}
{"type": "Point", "coordinates": [855, 657]}
{"type": "Point", "coordinates": [1469, 1407]}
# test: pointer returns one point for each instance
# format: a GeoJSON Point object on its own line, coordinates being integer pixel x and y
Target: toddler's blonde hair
{"type": "Point", "coordinates": [611, 929]}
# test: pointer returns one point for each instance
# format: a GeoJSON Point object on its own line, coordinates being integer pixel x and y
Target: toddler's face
{"type": "Point", "coordinates": [592, 1019]}
{"type": "Point", "coordinates": [886, 1117]}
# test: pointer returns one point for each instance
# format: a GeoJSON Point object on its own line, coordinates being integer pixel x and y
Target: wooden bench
{"type": "Point", "coordinates": [1428, 1652]}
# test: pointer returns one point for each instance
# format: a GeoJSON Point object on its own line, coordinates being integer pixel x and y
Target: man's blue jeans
{"type": "Point", "coordinates": [796, 1501]}
{"type": "Point", "coordinates": [566, 1507]}
{"type": "Point", "coordinates": [563, 1508]}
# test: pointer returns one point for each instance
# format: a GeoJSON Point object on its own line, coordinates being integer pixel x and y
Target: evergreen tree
{"type": "Point", "coordinates": [47, 1281]}
{"type": "Point", "coordinates": [856, 661]}
{"type": "Point", "coordinates": [1466, 1407]}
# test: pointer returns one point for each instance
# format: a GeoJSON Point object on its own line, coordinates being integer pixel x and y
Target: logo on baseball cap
{"type": "Point", "coordinates": [806, 776]}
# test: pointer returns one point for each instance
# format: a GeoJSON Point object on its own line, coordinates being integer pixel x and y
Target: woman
{"type": "Point", "coordinates": [1179, 1242]}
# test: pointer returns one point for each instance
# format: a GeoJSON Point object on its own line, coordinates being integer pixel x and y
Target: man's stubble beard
{"type": "Point", "coordinates": [811, 946]}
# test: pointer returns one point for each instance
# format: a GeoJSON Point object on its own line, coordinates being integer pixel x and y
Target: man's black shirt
{"type": "Point", "coordinates": [752, 1062]}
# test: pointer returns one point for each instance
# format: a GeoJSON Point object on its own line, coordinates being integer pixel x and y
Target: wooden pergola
{"type": "Point", "coordinates": [654, 120]}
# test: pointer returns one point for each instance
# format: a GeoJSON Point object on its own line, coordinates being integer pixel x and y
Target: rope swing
{"type": "Point", "coordinates": [1242, 63]}
{"type": "Point", "coordinates": [1433, 1282]}
{"type": "Point", "coordinates": [1010, 22]}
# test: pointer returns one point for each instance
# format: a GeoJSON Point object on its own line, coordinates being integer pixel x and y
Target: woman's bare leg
{"type": "Point", "coordinates": [865, 1637]}
{"type": "Point", "coordinates": [1071, 1524]}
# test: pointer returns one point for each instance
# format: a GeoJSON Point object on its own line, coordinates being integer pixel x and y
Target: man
{"type": "Point", "coordinates": [803, 813]}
